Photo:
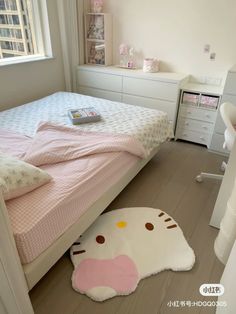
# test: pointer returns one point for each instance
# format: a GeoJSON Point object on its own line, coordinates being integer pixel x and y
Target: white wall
{"type": "Point", "coordinates": [175, 31]}
{"type": "Point", "coordinates": [25, 82]}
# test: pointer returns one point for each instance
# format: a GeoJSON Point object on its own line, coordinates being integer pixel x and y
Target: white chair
{"type": "Point", "coordinates": [228, 114]}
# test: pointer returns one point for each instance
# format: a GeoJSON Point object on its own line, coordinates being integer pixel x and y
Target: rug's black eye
{"type": "Point", "coordinates": [149, 226]}
{"type": "Point", "coordinates": [100, 239]}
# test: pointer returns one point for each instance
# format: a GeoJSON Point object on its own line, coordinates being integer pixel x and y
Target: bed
{"type": "Point", "coordinates": [43, 231]}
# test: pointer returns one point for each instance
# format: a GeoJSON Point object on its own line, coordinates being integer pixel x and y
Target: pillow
{"type": "Point", "coordinates": [18, 177]}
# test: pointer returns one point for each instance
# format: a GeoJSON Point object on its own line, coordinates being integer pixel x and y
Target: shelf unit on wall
{"type": "Point", "coordinates": [98, 38]}
{"type": "Point", "coordinates": [197, 113]}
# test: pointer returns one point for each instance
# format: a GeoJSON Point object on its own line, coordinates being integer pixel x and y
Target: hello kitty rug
{"type": "Point", "coordinates": [124, 246]}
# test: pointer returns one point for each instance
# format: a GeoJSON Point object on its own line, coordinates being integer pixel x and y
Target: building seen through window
{"type": "Point", "coordinates": [17, 34]}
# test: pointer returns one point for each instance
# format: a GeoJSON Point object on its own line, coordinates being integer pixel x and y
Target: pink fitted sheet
{"type": "Point", "coordinates": [40, 217]}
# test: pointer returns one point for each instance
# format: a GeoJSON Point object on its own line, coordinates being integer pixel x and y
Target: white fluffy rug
{"type": "Point", "coordinates": [124, 246]}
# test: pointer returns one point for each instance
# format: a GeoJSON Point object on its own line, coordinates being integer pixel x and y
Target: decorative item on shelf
{"type": "Point", "coordinates": [96, 27]}
{"type": "Point", "coordinates": [150, 65]}
{"type": "Point", "coordinates": [92, 53]}
{"type": "Point", "coordinates": [126, 57]}
{"type": "Point", "coordinates": [123, 51]}
{"type": "Point", "coordinates": [97, 54]}
{"type": "Point", "coordinates": [96, 6]}
{"type": "Point", "coordinates": [100, 54]}
{"type": "Point", "coordinates": [131, 63]}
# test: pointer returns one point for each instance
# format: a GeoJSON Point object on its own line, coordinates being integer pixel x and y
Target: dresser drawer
{"type": "Point", "coordinates": [150, 88]}
{"type": "Point", "coordinates": [197, 113]}
{"type": "Point", "coordinates": [195, 125]}
{"type": "Point", "coordinates": [193, 136]}
{"type": "Point", "coordinates": [100, 93]}
{"type": "Point", "coordinates": [104, 81]}
{"type": "Point", "coordinates": [163, 105]}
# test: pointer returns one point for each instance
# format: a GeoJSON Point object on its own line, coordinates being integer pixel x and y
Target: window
{"type": "Point", "coordinates": [11, 33]}
{"type": "Point", "coordinates": [24, 31]}
{"type": "Point", "coordinates": [8, 5]}
{"type": "Point", "coordinates": [2, 5]}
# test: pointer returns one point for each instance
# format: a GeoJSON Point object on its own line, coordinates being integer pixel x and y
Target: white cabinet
{"type": "Point", "coordinates": [197, 113]}
{"type": "Point", "coordinates": [163, 105]}
{"type": "Point", "coordinates": [229, 95]}
{"type": "Point", "coordinates": [99, 80]}
{"type": "Point", "coordinates": [100, 93]}
{"type": "Point", "coordinates": [98, 38]}
{"type": "Point", "coordinates": [152, 90]}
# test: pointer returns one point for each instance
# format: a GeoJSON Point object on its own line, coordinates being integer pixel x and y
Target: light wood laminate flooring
{"type": "Point", "coordinates": [167, 182]}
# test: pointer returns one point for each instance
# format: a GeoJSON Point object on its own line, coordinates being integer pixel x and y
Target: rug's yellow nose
{"type": "Point", "coordinates": [121, 224]}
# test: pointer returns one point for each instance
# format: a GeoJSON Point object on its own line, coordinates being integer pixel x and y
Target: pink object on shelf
{"type": "Point", "coordinates": [150, 65]}
{"type": "Point", "coordinates": [96, 6]}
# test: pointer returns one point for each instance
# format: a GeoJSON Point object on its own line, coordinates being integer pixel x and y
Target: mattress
{"type": "Point", "coordinates": [151, 127]}
{"type": "Point", "coordinates": [41, 216]}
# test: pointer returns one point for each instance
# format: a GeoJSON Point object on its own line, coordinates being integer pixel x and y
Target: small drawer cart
{"type": "Point", "coordinates": [197, 113]}
{"type": "Point", "coordinates": [98, 38]}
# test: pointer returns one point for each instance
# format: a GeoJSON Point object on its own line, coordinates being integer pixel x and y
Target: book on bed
{"type": "Point", "coordinates": [84, 115]}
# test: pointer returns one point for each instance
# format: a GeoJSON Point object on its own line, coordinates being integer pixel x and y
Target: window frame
{"type": "Point", "coordinates": [42, 36]}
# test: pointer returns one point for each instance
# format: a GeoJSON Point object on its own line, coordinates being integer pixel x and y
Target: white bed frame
{"type": "Point", "coordinates": [35, 270]}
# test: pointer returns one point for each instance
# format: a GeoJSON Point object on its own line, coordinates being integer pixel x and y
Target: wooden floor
{"type": "Point", "coordinates": [167, 182]}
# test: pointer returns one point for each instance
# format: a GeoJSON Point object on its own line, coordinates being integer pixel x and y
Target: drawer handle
{"type": "Point", "coordinates": [189, 112]}
{"type": "Point", "coordinates": [185, 134]}
{"type": "Point", "coordinates": [202, 138]}
{"type": "Point", "coordinates": [186, 123]}
{"type": "Point", "coordinates": [208, 116]}
{"type": "Point", "coordinates": [204, 127]}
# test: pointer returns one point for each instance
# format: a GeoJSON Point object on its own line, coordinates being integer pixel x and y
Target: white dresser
{"type": "Point", "coordinates": [197, 113]}
{"type": "Point", "coordinates": [229, 95]}
{"type": "Point", "coordinates": [153, 90]}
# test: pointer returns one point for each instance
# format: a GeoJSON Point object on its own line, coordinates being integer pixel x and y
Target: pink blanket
{"type": "Point", "coordinates": [56, 143]}
{"type": "Point", "coordinates": [14, 144]}
{"type": "Point", "coordinates": [38, 218]}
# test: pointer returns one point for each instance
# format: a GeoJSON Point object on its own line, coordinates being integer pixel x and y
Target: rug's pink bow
{"type": "Point", "coordinates": [119, 274]}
